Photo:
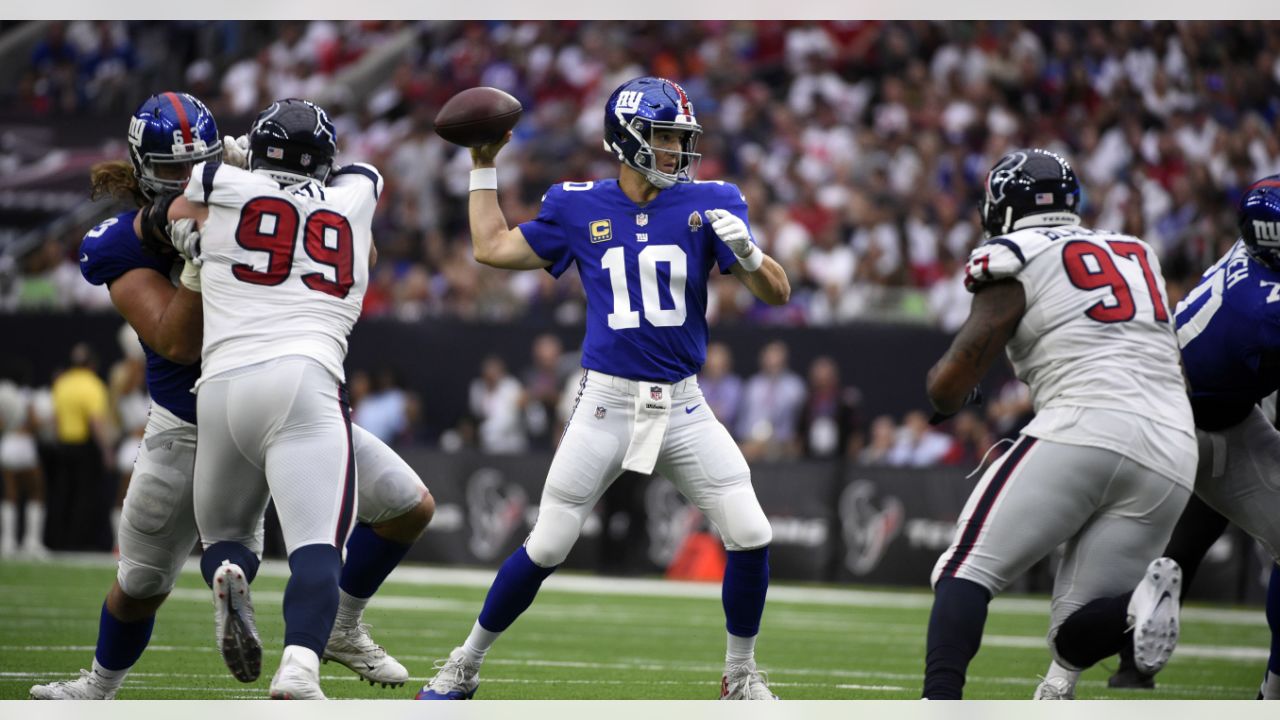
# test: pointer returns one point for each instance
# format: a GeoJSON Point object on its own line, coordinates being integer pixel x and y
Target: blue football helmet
{"type": "Point", "coordinates": [1259, 221]}
{"type": "Point", "coordinates": [170, 129]}
{"type": "Point", "coordinates": [632, 114]}
{"type": "Point", "coordinates": [1030, 188]}
{"type": "Point", "coordinates": [292, 141]}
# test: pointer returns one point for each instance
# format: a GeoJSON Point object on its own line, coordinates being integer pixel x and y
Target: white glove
{"type": "Point", "coordinates": [235, 151]}
{"type": "Point", "coordinates": [732, 231]}
{"type": "Point", "coordinates": [186, 240]}
{"type": "Point", "coordinates": [190, 277]}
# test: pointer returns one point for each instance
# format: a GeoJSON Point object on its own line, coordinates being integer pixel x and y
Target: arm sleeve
{"type": "Point", "coordinates": [546, 233]}
{"type": "Point", "coordinates": [732, 200]}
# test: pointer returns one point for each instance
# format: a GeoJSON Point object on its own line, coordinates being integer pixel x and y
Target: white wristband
{"type": "Point", "coordinates": [484, 179]}
{"type": "Point", "coordinates": [753, 260]}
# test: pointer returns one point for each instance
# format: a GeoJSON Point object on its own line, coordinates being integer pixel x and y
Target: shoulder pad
{"type": "Point", "coordinates": [1004, 257]}
{"type": "Point", "coordinates": [356, 172]}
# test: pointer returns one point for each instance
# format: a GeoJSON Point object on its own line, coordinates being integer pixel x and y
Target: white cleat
{"type": "Point", "coordinates": [233, 623]}
{"type": "Point", "coordinates": [298, 677]}
{"type": "Point", "coordinates": [354, 647]}
{"type": "Point", "coordinates": [1153, 614]}
{"type": "Point", "coordinates": [456, 679]}
{"type": "Point", "coordinates": [744, 682]}
{"type": "Point", "coordinates": [89, 686]}
{"type": "Point", "coordinates": [1055, 688]}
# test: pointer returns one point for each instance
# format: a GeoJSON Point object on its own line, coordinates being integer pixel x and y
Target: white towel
{"type": "Point", "coordinates": [653, 412]}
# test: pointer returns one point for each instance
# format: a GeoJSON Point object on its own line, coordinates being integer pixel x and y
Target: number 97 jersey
{"type": "Point", "coordinates": [284, 269]}
{"type": "Point", "coordinates": [1096, 335]}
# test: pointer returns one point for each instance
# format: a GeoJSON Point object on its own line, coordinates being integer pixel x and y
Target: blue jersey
{"type": "Point", "coordinates": [644, 270]}
{"type": "Point", "coordinates": [1229, 330]}
{"type": "Point", "coordinates": [110, 250]}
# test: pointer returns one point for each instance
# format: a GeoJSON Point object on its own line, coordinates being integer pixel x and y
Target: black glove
{"type": "Point", "coordinates": [973, 398]}
{"type": "Point", "coordinates": [155, 225]}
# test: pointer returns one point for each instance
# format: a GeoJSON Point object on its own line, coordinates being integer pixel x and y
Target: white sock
{"type": "Point", "coordinates": [1271, 686]}
{"type": "Point", "coordinates": [35, 524]}
{"type": "Point", "coordinates": [8, 524]}
{"type": "Point", "coordinates": [110, 678]}
{"type": "Point", "coordinates": [478, 643]}
{"type": "Point", "coordinates": [741, 650]}
{"type": "Point", "coordinates": [1055, 671]}
{"type": "Point", "coordinates": [350, 609]}
{"type": "Point", "coordinates": [298, 655]}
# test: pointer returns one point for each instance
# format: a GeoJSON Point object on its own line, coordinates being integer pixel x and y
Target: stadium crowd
{"type": "Point", "coordinates": [859, 145]}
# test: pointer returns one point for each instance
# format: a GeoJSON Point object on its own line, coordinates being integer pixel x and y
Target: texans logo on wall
{"type": "Point", "coordinates": [495, 510]}
{"type": "Point", "coordinates": [868, 530]}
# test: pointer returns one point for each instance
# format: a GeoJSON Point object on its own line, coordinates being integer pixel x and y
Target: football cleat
{"type": "Point", "coordinates": [1128, 678]}
{"type": "Point", "coordinates": [352, 646]}
{"type": "Point", "coordinates": [233, 623]}
{"type": "Point", "coordinates": [1055, 688]}
{"type": "Point", "coordinates": [89, 686]}
{"type": "Point", "coordinates": [1153, 614]}
{"type": "Point", "coordinates": [744, 682]}
{"type": "Point", "coordinates": [298, 677]}
{"type": "Point", "coordinates": [456, 679]}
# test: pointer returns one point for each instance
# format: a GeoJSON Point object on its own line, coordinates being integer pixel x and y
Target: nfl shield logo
{"type": "Point", "coordinates": [599, 412]}
{"type": "Point", "coordinates": [655, 392]}
{"type": "Point", "coordinates": [695, 221]}
{"type": "Point", "coordinates": [306, 159]}
{"type": "Point", "coordinates": [642, 219]}
{"type": "Point", "coordinates": [275, 153]}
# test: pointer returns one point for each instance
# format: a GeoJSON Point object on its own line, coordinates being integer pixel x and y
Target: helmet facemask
{"type": "Point", "coordinates": [155, 181]}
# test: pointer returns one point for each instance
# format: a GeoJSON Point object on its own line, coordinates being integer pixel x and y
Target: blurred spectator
{"type": "Point", "coordinates": [970, 440]}
{"type": "Point", "coordinates": [130, 406]}
{"type": "Point", "coordinates": [1010, 409]}
{"type": "Point", "coordinates": [918, 445]}
{"type": "Point", "coordinates": [496, 401]}
{"type": "Point", "coordinates": [22, 474]}
{"type": "Point", "coordinates": [79, 496]}
{"type": "Point", "coordinates": [771, 407]}
{"type": "Point", "coordinates": [383, 407]}
{"type": "Point", "coordinates": [721, 388]}
{"type": "Point", "coordinates": [829, 423]}
{"type": "Point", "coordinates": [884, 436]}
{"type": "Point", "coordinates": [543, 381]}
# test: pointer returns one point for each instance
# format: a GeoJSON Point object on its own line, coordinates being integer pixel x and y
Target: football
{"type": "Point", "coordinates": [477, 116]}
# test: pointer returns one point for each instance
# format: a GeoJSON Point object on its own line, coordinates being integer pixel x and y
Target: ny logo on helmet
{"type": "Point", "coordinates": [1267, 233]}
{"type": "Point", "coordinates": [629, 101]}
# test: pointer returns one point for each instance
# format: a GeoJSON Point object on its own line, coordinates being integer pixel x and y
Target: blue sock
{"type": "Point", "coordinates": [311, 597]}
{"type": "Point", "coordinates": [120, 644]}
{"type": "Point", "coordinates": [512, 591]}
{"type": "Point", "coordinates": [370, 559]}
{"type": "Point", "coordinates": [955, 633]}
{"type": "Point", "coordinates": [746, 581]}
{"type": "Point", "coordinates": [1273, 618]}
{"type": "Point", "coordinates": [227, 550]}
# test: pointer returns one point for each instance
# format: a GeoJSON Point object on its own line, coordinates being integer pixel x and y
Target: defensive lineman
{"type": "Point", "coordinates": [1108, 462]}
{"type": "Point", "coordinates": [644, 245]}
{"type": "Point", "coordinates": [285, 253]}
{"type": "Point", "coordinates": [158, 526]}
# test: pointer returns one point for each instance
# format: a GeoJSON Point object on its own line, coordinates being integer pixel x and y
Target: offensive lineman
{"type": "Point", "coordinates": [158, 525]}
{"type": "Point", "coordinates": [644, 245]}
{"type": "Point", "coordinates": [1107, 464]}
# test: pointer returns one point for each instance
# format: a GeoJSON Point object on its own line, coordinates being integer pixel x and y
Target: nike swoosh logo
{"type": "Point", "coordinates": [84, 257]}
{"type": "Point", "coordinates": [689, 410]}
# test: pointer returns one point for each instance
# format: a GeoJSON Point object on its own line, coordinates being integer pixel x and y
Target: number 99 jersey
{"type": "Point", "coordinates": [284, 269]}
{"type": "Point", "coordinates": [1096, 335]}
{"type": "Point", "coordinates": [1229, 330]}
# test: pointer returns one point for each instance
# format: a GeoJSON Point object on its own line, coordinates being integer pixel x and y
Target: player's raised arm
{"type": "Point", "coordinates": [493, 242]}
{"type": "Point", "coordinates": [762, 275]}
{"type": "Point", "coordinates": [993, 318]}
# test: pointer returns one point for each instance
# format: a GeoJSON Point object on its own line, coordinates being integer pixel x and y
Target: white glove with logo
{"type": "Point", "coordinates": [186, 239]}
{"type": "Point", "coordinates": [235, 151]}
{"type": "Point", "coordinates": [732, 231]}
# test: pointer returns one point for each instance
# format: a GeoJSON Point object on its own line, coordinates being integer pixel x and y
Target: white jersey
{"type": "Point", "coordinates": [1096, 338]}
{"type": "Point", "coordinates": [285, 269]}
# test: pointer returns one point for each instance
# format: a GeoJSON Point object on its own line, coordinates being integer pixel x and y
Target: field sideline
{"type": "Point", "coordinates": [596, 638]}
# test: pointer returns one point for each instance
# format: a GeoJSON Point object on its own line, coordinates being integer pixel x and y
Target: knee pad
{"type": "Point", "coordinates": [388, 495]}
{"type": "Point", "coordinates": [143, 581]}
{"type": "Point", "coordinates": [742, 522]}
{"type": "Point", "coordinates": [552, 537]}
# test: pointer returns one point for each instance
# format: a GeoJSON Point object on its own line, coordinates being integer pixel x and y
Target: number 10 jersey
{"type": "Point", "coordinates": [1097, 336]}
{"type": "Point", "coordinates": [284, 269]}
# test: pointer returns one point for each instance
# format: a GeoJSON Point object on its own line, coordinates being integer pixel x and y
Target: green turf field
{"type": "Point", "coordinates": [597, 638]}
